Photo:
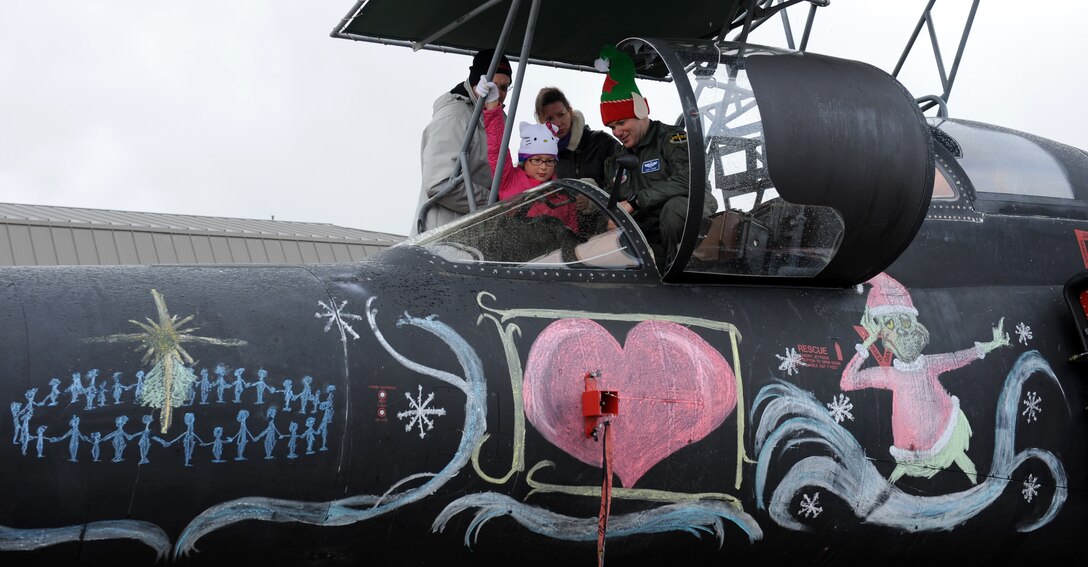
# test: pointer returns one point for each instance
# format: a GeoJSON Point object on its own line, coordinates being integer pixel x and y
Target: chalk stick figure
{"type": "Point", "coordinates": [305, 395]}
{"type": "Point", "coordinates": [139, 386]}
{"type": "Point", "coordinates": [90, 392]}
{"type": "Point", "coordinates": [270, 433]}
{"type": "Point", "coordinates": [118, 438]}
{"type": "Point", "coordinates": [205, 386]}
{"type": "Point", "coordinates": [145, 439]}
{"type": "Point", "coordinates": [238, 385]}
{"type": "Point", "coordinates": [22, 429]}
{"type": "Point", "coordinates": [243, 436]}
{"type": "Point", "coordinates": [288, 394]}
{"type": "Point", "coordinates": [16, 420]}
{"type": "Point", "coordinates": [220, 383]}
{"type": "Point", "coordinates": [74, 437]}
{"type": "Point", "coordinates": [309, 435]}
{"type": "Point", "coordinates": [96, 438]}
{"type": "Point", "coordinates": [76, 388]}
{"type": "Point", "coordinates": [217, 444]}
{"type": "Point", "coordinates": [292, 438]}
{"type": "Point", "coordinates": [261, 386]}
{"type": "Point", "coordinates": [326, 417]}
{"type": "Point", "coordinates": [25, 437]}
{"type": "Point", "coordinates": [54, 391]}
{"type": "Point", "coordinates": [40, 440]}
{"type": "Point", "coordinates": [189, 439]}
{"type": "Point", "coordinates": [118, 388]}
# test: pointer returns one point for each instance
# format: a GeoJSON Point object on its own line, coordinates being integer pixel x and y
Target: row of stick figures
{"type": "Point", "coordinates": [96, 394]}
{"type": "Point", "coordinates": [310, 400]}
{"type": "Point", "coordinates": [119, 439]}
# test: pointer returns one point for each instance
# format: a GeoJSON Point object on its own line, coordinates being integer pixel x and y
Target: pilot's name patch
{"type": "Point", "coordinates": [678, 138]}
{"type": "Point", "coordinates": [650, 166]}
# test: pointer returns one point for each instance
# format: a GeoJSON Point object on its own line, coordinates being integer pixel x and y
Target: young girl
{"type": "Point", "coordinates": [537, 153]}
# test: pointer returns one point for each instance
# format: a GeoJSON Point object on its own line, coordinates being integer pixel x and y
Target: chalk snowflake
{"type": "Point", "coordinates": [840, 407]}
{"type": "Point", "coordinates": [1023, 332]}
{"type": "Point", "coordinates": [790, 362]}
{"type": "Point", "coordinates": [1031, 488]}
{"type": "Point", "coordinates": [336, 314]}
{"type": "Point", "coordinates": [1033, 405]}
{"type": "Point", "coordinates": [810, 505]}
{"type": "Point", "coordinates": [420, 412]}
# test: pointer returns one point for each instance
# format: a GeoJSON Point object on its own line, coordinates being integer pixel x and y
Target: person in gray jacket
{"type": "Point", "coordinates": [442, 140]}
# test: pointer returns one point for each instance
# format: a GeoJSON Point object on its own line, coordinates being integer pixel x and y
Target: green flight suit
{"type": "Point", "coordinates": [660, 187]}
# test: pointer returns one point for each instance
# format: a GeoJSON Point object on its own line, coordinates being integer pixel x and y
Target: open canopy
{"type": "Point", "coordinates": [568, 33]}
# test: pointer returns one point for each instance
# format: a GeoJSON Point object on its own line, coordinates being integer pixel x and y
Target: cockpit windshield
{"type": "Point", "coordinates": [551, 226]}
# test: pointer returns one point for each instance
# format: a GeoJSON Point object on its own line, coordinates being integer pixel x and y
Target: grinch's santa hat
{"type": "Point", "coordinates": [620, 97]}
{"type": "Point", "coordinates": [888, 297]}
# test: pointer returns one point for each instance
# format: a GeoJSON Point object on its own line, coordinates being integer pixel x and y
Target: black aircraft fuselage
{"type": "Point", "coordinates": [426, 407]}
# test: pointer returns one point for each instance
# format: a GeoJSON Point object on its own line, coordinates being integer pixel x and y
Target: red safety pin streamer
{"type": "Point", "coordinates": [597, 404]}
{"type": "Point", "coordinates": [606, 492]}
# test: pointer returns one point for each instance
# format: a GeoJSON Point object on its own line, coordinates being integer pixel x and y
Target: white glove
{"type": "Point", "coordinates": [487, 90]}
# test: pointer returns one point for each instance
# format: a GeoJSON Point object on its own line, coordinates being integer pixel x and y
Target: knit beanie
{"type": "Point", "coordinates": [482, 60]}
{"type": "Point", "coordinates": [620, 97]}
{"type": "Point", "coordinates": [538, 139]}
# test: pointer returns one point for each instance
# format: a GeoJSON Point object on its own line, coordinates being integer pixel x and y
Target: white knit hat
{"type": "Point", "coordinates": [538, 139]}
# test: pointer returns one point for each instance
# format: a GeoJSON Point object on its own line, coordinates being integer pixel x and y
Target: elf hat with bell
{"type": "Point", "coordinates": [620, 97]}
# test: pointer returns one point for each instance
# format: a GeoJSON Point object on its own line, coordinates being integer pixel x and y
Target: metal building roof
{"type": "Point", "coordinates": [46, 235]}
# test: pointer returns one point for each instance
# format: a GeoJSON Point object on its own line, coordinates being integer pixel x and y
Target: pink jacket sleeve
{"type": "Point", "coordinates": [494, 123]}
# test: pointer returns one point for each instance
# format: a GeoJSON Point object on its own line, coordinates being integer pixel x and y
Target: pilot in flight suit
{"type": "Point", "coordinates": [656, 192]}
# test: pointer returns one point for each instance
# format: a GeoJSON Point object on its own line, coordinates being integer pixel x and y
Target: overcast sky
{"type": "Point", "coordinates": [247, 108]}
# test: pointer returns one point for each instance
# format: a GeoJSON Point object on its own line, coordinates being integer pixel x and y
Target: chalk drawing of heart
{"type": "Point", "coordinates": [674, 389]}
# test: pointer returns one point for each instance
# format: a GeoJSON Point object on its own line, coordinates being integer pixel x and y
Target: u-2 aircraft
{"type": "Point", "coordinates": [868, 354]}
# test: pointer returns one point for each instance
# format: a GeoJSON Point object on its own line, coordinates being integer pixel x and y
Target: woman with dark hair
{"type": "Point", "coordinates": [582, 151]}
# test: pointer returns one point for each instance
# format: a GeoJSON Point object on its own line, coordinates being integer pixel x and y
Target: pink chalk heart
{"type": "Point", "coordinates": [674, 389]}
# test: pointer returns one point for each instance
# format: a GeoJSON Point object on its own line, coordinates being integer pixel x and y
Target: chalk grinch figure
{"type": "Point", "coordinates": [930, 431]}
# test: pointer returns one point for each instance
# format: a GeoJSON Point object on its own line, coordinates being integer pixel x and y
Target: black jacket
{"type": "Point", "coordinates": [585, 153]}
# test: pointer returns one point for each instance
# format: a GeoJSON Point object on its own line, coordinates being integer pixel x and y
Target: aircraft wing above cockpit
{"type": "Point", "coordinates": [568, 33]}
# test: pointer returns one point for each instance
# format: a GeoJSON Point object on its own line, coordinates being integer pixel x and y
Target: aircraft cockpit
{"type": "Point", "coordinates": [819, 171]}
{"type": "Point", "coordinates": [986, 169]}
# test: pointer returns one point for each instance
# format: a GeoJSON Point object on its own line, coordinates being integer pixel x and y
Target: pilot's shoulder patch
{"type": "Point", "coordinates": [678, 138]}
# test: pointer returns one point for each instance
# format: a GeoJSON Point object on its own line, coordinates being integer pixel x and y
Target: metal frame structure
{"type": "Point", "coordinates": [947, 79]}
{"type": "Point", "coordinates": [757, 12]}
{"type": "Point", "coordinates": [461, 170]}
{"type": "Point", "coordinates": [428, 42]}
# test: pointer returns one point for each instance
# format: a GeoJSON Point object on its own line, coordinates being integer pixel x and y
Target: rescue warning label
{"type": "Point", "coordinates": [818, 356]}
